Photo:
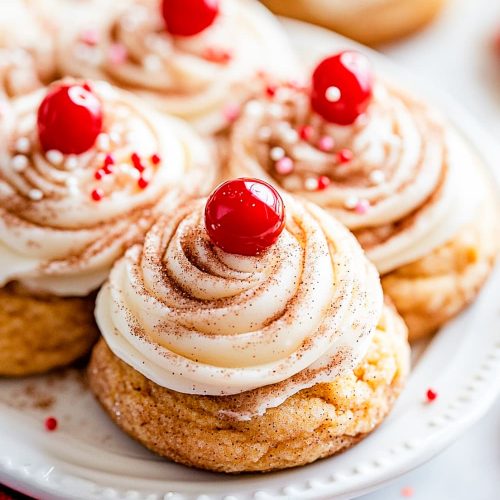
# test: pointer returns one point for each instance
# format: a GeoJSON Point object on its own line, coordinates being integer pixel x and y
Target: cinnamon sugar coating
{"type": "Point", "coordinates": [312, 424]}
{"type": "Point", "coordinates": [40, 333]}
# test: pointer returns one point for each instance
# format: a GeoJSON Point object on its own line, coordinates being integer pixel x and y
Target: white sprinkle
{"type": "Point", "coordinates": [35, 194]}
{"type": "Point", "coordinates": [275, 111]}
{"type": "Point", "coordinates": [72, 184]}
{"type": "Point", "coordinates": [55, 157]}
{"type": "Point", "coordinates": [377, 177]}
{"type": "Point", "coordinates": [265, 133]}
{"type": "Point", "coordinates": [23, 145]}
{"type": "Point", "coordinates": [333, 94]}
{"type": "Point", "coordinates": [131, 171]}
{"type": "Point", "coordinates": [277, 153]}
{"type": "Point", "coordinates": [254, 108]}
{"type": "Point", "coordinates": [291, 136]}
{"type": "Point", "coordinates": [115, 137]}
{"type": "Point", "coordinates": [158, 43]}
{"type": "Point", "coordinates": [152, 62]}
{"type": "Point", "coordinates": [351, 202]}
{"type": "Point", "coordinates": [311, 184]}
{"type": "Point", "coordinates": [71, 162]}
{"type": "Point", "coordinates": [19, 163]}
{"type": "Point", "coordinates": [131, 137]}
{"type": "Point", "coordinates": [103, 143]}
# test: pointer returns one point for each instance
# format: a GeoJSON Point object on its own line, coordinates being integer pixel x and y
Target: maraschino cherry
{"type": "Point", "coordinates": [189, 17]}
{"type": "Point", "coordinates": [69, 119]}
{"type": "Point", "coordinates": [342, 86]}
{"type": "Point", "coordinates": [244, 216]}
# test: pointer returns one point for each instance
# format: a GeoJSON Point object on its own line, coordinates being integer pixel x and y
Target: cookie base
{"type": "Point", "coordinates": [429, 292]}
{"type": "Point", "coordinates": [312, 424]}
{"type": "Point", "coordinates": [383, 21]}
{"type": "Point", "coordinates": [40, 333]}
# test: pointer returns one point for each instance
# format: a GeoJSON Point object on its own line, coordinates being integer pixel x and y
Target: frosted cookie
{"type": "Point", "coordinates": [247, 333]}
{"type": "Point", "coordinates": [84, 169]}
{"type": "Point", "coordinates": [390, 168]}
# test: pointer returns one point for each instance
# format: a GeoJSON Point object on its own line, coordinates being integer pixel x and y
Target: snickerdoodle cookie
{"type": "Point", "coordinates": [367, 21]}
{"type": "Point", "coordinates": [391, 169]}
{"type": "Point", "coordinates": [83, 172]}
{"type": "Point", "coordinates": [312, 424]}
{"type": "Point", "coordinates": [240, 339]}
{"type": "Point", "coordinates": [198, 61]}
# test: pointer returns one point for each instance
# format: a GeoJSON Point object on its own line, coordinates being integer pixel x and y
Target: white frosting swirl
{"type": "Point", "coordinates": [27, 54]}
{"type": "Point", "coordinates": [197, 320]}
{"type": "Point", "coordinates": [185, 76]}
{"type": "Point", "coordinates": [408, 188]}
{"type": "Point", "coordinates": [53, 236]}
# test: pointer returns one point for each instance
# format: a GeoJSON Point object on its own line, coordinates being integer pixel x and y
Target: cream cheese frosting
{"type": "Point", "coordinates": [202, 78]}
{"type": "Point", "coordinates": [409, 187]}
{"type": "Point", "coordinates": [54, 237]}
{"type": "Point", "coordinates": [27, 52]}
{"type": "Point", "coordinates": [197, 320]}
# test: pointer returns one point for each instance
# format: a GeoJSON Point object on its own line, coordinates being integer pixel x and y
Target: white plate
{"type": "Point", "coordinates": [89, 458]}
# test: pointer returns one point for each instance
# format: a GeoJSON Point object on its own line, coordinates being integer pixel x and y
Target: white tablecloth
{"type": "Point", "coordinates": [456, 54]}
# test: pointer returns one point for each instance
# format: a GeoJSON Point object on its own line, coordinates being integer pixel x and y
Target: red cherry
{"type": "Point", "coordinates": [51, 424]}
{"type": "Point", "coordinates": [244, 216]}
{"type": "Point", "coordinates": [342, 86]}
{"type": "Point", "coordinates": [189, 17]}
{"type": "Point", "coordinates": [69, 119]}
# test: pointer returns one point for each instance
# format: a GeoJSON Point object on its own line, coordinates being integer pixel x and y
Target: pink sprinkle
{"type": "Point", "coordinates": [231, 112]}
{"type": "Point", "coordinates": [323, 182]}
{"type": "Point", "coordinates": [89, 37]}
{"type": "Point", "coordinates": [216, 55]}
{"type": "Point", "coordinates": [344, 156]}
{"type": "Point", "coordinates": [305, 132]}
{"type": "Point", "coordinates": [284, 166]}
{"type": "Point", "coordinates": [142, 183]}
{"type": "Point", "coordinates": [407, 492]}
{"type": "Point", "coordinates": [362, 207]}
{"type": "Point", "coordinates": [155, 159]}
{"type": "Point", "coordinates": [326, 144]}
{"type": "Point", "coordinates": [118, 53]}
{"type": "Point", "coordinates": [295, 84]}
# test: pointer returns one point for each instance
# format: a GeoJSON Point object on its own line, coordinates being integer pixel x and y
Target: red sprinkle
{"type": "Point", "coordinates": [51, 424]}
{"type": "Point", "coordinates": [89, 37]}
{"type": "Point", "coordinates": [155, 159]}
{"type": "Point", "coordinates": [271, 90]}
{"type": "Point", "coordinates": [323, 182]}
{"type": "Point", "coordinates": [407, 492]}
{"type": "Point", "coordinates": [431, 395]}
{"type": "Point", "coordinates": [108, 169]}
{"type": "Point", "coordinates": [142, 183]}
{"type": "Point", "coordinates": [345, 156]}
{"type": "Point", "coordinates": [109, 160]}
{"type": "Point", "coordinates": [305, 132]}
{"type": "Point", "coordinates": [99, 174]}
{"type": "Point", "coordinates": [97, 194]}
{"type": "Point", "coordinates": [136, 160]}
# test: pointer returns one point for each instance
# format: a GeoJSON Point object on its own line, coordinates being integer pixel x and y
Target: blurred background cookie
{"type": "Point", "coordinates": [368, 21]}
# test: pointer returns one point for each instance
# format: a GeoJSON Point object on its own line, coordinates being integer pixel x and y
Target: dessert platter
{"type": "Point", "coordinates": [240, 258]}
